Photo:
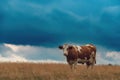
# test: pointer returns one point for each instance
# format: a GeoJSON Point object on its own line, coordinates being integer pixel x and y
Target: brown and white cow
{"type": "Point", "coordinates": [79, 54]}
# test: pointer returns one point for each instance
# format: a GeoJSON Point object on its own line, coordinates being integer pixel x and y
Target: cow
{"type": "Point", "coordinates": [79, 54]}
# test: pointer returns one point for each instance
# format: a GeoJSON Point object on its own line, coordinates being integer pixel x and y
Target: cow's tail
{"type": "Point", "coordinates": [95, 60]}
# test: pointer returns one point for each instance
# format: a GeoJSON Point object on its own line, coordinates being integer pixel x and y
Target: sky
{"type": "Point", "coordinates": [32, 30]}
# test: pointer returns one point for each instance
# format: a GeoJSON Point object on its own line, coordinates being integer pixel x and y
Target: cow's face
{"type": "Point", "coordinates": [65, 48]}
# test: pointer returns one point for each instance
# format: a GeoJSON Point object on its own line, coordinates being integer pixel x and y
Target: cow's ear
{"type": "Point", "coordinates": [70, 47]}
{"type": "Point", "coordinates": [60, 47]}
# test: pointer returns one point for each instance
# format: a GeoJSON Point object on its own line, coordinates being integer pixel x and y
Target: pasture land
{"type": "Point", "coordinates": [37, 71]}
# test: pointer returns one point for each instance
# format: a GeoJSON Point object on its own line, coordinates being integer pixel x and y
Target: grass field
{"type": "Point", "coordinates": [32, 71]}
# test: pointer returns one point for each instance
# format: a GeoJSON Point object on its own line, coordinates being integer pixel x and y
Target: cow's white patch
{"type": "Point", "coordinates": [93, 54]}
{"type": "Point", "coordinates": [82, 60]}
{"type": "Point", "coordinates": [65, 47]}
{"type": "Point", "coordinates": [89, 45]}
{"type": "Point", "coordinates": [79, 48]}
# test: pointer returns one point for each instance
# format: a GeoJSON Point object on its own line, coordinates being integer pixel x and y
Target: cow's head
{"type": "Point", "coordinates": [65, 48]}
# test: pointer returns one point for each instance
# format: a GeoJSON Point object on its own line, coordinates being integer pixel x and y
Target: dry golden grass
{"type": "Point", "coordinates": [32, 71]}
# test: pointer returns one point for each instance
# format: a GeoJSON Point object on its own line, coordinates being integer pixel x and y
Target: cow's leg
{"type": "Point", "coordinates": [92, 59]}
{"type": "Point", "coordinates": [88, 64]}
{"type": "Point", "coordinates": [73, 65]}
{"type": "Point", "coordinates": [92, 64]}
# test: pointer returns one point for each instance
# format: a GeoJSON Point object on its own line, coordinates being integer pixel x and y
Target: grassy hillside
{"type": "Point", "coordinates": [30, 71]}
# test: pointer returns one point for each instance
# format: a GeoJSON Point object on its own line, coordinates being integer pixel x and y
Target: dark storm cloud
{"type": "Point", "coordinates": [110, 31]}
{"type": "Point", "coordinates": [50, 23]}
